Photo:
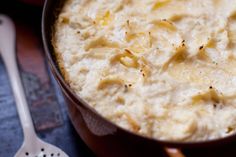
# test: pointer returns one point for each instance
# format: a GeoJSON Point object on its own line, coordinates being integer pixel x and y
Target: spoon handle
{"type": "Point", "coordinates": [7, 51]}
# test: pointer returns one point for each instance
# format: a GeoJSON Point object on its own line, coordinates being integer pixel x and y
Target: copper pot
{"type": "Point", "coordinates": [107, 139]}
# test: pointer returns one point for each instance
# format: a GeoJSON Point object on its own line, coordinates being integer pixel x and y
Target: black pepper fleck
{"type": "Point", "coordinates": [126, 88]}
{"type": "Point", "coordinates": [201, 47]}
{"type": "Point", "coordinates": [128, 22]}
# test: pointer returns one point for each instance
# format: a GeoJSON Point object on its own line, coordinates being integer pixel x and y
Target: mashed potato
{"type": "Point", "coordinates": [165, 69]}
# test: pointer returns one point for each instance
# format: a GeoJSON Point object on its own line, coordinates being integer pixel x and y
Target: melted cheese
{"type": "Point", "coordinates": [160, 68]}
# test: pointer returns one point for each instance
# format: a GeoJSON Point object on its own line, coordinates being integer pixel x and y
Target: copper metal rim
{"type": "Point", "coordinates": [50, 12]}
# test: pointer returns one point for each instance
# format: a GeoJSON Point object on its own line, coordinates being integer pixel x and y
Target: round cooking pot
{"type": "Point", "coordinates": [106, 139]}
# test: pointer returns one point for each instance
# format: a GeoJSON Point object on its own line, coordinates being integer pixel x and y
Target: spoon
{"type": "Point", "coordinates": [32, 145]}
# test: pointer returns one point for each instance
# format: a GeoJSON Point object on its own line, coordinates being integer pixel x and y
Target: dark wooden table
{"type": "Point", "coordinates": [47, 105]}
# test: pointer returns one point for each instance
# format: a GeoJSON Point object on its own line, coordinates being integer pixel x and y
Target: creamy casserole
{"type": "Point", "coordinates": [165, 69]}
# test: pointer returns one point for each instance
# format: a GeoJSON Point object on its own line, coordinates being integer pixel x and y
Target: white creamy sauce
{"type": "Point", "coordinates": [165, 69]}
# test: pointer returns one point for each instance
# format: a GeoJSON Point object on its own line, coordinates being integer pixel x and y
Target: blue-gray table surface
{"type": "Point", "coordinates": [11, 136]}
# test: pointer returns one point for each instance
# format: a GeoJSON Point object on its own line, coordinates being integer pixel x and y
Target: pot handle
{"type": "Point", "coordinates": [173, 152]}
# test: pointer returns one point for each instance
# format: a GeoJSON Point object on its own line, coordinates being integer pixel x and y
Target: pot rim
{"type": "Point", "coordinates": [46, 30]}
